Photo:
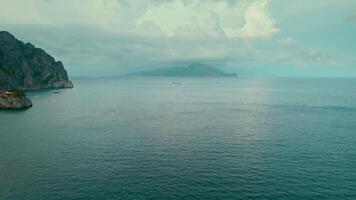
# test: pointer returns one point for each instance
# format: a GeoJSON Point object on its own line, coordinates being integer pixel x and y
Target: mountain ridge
{"type": "Point", "coordinates": [192, 70]}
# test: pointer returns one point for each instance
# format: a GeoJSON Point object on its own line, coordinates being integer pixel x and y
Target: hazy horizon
{"type": "Point", "coordinates": [258, 38]}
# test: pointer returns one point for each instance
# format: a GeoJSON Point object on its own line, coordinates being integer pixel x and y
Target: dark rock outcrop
{"type": "Point", "coordinates": [192, 70]}
{"type": "Point", "coordinates": [25, 67]}
{"type": "Point", "coordinates": [14, 100]}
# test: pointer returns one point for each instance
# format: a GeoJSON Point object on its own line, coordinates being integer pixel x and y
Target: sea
{"type": "Point", "coordinates": [183, 139]}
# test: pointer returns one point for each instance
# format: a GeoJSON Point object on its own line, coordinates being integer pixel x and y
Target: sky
{"type": "Point", "coordinates": [249, 37]}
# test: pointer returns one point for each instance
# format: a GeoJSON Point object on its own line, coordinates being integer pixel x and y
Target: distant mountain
{"type": "Point", "coordinates": [193, 70]}
{"type": "Point", "coordinates": [23, 66]}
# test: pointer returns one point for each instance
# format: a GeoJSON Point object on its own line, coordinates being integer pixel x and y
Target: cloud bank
{"type": "Point", "coordinates": [129, 35]}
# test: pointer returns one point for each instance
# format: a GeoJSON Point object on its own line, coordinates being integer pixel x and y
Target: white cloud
{"type": "Point", "coordinates": [292, 51]}
{"type": "Point", "coordinates": [136, 34]}
{"type": "Point", "coordinates": [258, 23]}
{"type": "Point", "coordinates": [244, 19]}
{"type": "Point", "coordinates": [17, 11]}
{"type": "Point", "coordinates": [235, 19]}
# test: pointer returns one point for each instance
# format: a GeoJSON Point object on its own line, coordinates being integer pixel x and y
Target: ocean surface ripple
{"type": "Point", "coordinates": [145, 138]}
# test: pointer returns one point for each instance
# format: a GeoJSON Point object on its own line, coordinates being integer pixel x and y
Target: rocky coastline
{"type": "Point", "coordinates": [26, 67]}
{"type": "Point", "coordinates": [14, 100]}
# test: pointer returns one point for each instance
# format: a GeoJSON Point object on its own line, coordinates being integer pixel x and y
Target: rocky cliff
{"type": "Point", "coordinates": [25, 67]}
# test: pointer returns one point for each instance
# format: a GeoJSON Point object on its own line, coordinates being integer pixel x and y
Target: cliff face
{"type": "Point", "coordinates": [23, 66]}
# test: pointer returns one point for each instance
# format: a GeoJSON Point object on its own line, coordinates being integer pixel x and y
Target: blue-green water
{"type": "Point", "coordinates": [242, 138]}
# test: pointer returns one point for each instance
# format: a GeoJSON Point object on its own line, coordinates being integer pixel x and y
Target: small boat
{"type": "Point", "coordinates": [56, 91]}
{"type": "Point", "coordinates": [176, 83]}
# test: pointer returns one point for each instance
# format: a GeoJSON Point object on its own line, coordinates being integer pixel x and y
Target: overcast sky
{"type": "Point", "coordinates": [250, 37]}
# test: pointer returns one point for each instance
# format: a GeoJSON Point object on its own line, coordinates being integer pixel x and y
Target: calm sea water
{"type": "Point", "coordinates": [243, 138]}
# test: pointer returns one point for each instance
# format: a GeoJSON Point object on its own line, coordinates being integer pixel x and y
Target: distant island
{"type": "Point", "coordinates": [192, 70]}
{"type": "Point", "coordinates": [25, 67]}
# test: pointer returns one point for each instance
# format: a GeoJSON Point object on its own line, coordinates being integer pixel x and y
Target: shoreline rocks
{"type": "Point", "coordinates": [14, 100]}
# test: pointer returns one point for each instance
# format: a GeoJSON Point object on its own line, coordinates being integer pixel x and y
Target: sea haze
{"type": "Point", "coordinates": [205, 138]}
